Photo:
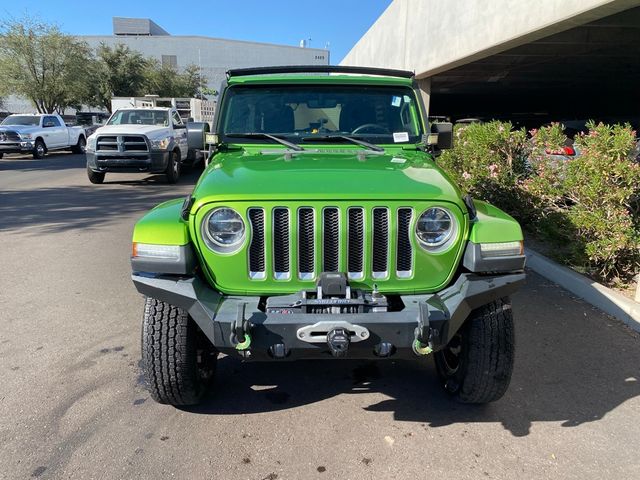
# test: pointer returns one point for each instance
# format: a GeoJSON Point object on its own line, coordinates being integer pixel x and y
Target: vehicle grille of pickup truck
{"type": "Point", "coordinates": [121, 143]}
{"type": "Point", "coordinates": [323, 232]}
{"type": "Point", "coordinates": [9, 136]}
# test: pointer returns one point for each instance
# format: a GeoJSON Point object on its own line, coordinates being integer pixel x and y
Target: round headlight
{"type": "Point", "coordinates": [223, 230]}
{"type": "Point", "coordinates": [435, 227]}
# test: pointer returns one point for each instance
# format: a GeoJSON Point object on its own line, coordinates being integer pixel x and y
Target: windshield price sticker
{"type": "Point", "coordinates": [395, 101]}
{"type": "Point", "coordinates": [400, 137]}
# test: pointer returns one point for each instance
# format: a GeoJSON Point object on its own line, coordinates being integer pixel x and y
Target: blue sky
{"type": "Point", "coordinates": [339, 22]}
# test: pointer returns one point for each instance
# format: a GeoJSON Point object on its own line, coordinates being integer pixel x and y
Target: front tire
{"type": "Point", "coordinates": [39, 150]}
{"type": "Point", "coordinates": [173, 167]}
{"type": "Point", "coordinates": [81, 146]}
{"type": "Point", "coordinates": [476, 365]}
{"type": "Point", "coordinates": [95, 177]}
{"type": "Point", "coordinates": [178, 361]}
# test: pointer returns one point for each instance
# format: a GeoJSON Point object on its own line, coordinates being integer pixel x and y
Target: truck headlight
{"type": "Point", "coordinates": [91, 143]}
{"type": "Point", "coordinates": [26, 136]}
{"type": "Point", "coordinates": [223, 230]}
{"type": "Point", "coordinates": [161, 144]}
{"type": "Point", "coordinates": [435, 228]}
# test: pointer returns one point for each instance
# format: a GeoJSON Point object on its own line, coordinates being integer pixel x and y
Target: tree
{"type": "Point", "coordinates": [166, 81]}
{"type": "Point", "coordinates": [120, 72]}
{"type": "Point", "coordinates": [43, 64]}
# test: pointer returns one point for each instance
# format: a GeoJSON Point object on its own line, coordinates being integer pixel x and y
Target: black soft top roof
{"type": "Point", "coordinates": [241, 72]}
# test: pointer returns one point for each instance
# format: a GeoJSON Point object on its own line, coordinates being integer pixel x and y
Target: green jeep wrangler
{"type": "Point", "coordinates": [323, 227]}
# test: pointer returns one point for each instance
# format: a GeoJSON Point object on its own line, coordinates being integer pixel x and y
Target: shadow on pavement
{"type": "Point", "coordinates": [568, 369]}
{"type": "Point", "coordinates": [52, 162]}
{"type": "Point", "coordinates": [57, 209]}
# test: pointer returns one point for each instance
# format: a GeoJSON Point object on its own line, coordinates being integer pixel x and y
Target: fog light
{"type": "Point", "coordinates": [501, 249]}
{"type": "Point", "coordinates": [148, 250]}
{"type": "Point", "coordinates": [384, 349]}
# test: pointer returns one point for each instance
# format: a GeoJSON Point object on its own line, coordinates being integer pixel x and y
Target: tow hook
{"type": "Point", "coordinates": [338, 341]}
{"type": "Point", "coordinates": [241, 335]}
{"type": "Point", "coordinates": [422, 344]}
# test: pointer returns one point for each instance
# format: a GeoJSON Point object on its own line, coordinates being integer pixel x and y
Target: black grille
{"type": "Point", "coordinates": [9, 136]}
{"type": "Point", "coordinates": [331, 240]}
{"type": "Point", "coordinates": [380, 255]}
{"type": "Point", "coordinates": [134, 144]}
{"type": "Point", "coordinates": [281, 240]}
{"type": "Point", "coordinates": [256, 249]}
{"type": "Point", "coordinates": [121, 143]}
{"type": "Point", "coordinates": [356, 240]}
{"type": "Point", "coordinates": [305, 241]}
{"type": "Point", "coordinates": [107, 144]}
{"type": "Point", "coordinates": [404, 253]}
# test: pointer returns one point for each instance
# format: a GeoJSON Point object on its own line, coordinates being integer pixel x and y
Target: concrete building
{"type": "Point", "coordinates": [214, 55]}
{"type": "Point", "coordinates": [513, 58]}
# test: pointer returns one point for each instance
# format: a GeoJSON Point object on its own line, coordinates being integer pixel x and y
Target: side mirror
{"type": "Point", "coordinates": [441, 136]}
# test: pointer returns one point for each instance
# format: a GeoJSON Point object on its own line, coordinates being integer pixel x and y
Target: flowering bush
{"type": "Point", "coordinates": [586, 207]}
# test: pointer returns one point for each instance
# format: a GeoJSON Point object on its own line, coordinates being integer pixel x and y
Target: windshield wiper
{"type": "Point", "coordinates": [282, 141]}
{"type": "Point", "coordinates": [357, 141]}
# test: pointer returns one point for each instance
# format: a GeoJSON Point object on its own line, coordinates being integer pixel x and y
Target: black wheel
{"type": "Point", "coordinates": [95, 177]}
{"type": "Point", "coordinates": [476, 365]}
{"type": "Point", "coordinates": [39, 149]}
{"type": "Point", "coordinates": [178, 361]}
{"type": "Point", "coordinates": [81, 146]}
{"type": "Point", "coordinates": [173, 167]}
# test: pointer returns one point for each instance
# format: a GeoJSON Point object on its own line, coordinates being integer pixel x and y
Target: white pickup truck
{"type": "Point", "coordinates": [38, 134]}
{"type": "Point", "coordinates": [151, 140]}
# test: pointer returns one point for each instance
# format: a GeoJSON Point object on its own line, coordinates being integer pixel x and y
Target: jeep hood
{"type": "Point", "coordinates": [401, 175]}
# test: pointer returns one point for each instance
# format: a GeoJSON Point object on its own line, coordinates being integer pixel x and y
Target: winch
{"type": "Point", "coordinates": [333, 295]}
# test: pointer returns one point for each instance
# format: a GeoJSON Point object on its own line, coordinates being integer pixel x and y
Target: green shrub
{"type": "Point", "coordinates": [488, 160]}
{"type": "Point", "coordinates": [587, 208]}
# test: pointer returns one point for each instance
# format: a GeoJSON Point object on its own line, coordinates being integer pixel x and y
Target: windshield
{"type": "Point", "coordinates": [21, 120]}
{"type": "Point", "coordinates": [140, 117]}
{"type": "Point", "coordinates": [304, 112]}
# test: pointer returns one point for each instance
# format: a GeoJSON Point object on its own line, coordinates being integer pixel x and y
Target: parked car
{"type": "Point", "coordinates": [322, 227]}
{"type": "Point", "coordinates": [152, 140]}
{"type": "Point", "coordinates": [38, 134]}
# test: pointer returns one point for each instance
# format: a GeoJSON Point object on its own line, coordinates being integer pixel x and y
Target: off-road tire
{"type": "Point", "coordinates": [178, 361]}
{"type": "Point", "coordinates": [485, 355]}
{"type": "Point", "coordinates": [173, 167]}
{"type": "Point", "coordinates": [39, 150]}
{"type": "Point", "coordinates": [95, 177]}
{"type": "Point", "coordinates": [80, 146]}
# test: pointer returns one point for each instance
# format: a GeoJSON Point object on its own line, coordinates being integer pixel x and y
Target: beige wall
{"type": "Point", "coordinates": [431, 36]}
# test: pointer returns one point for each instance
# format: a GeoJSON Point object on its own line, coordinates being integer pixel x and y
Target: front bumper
{"type": "Point", "coordinates": [16, 147]}
{"type": "Point", "coordinates": [152, 161]}
{"type": "Point", "coordinates": [432, 318]}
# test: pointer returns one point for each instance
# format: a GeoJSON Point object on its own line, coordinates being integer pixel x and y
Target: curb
{"type": "Point", "coordinates": [607, 300]}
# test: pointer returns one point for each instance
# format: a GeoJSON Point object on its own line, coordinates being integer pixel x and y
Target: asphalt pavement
{"type": "Point", "coordinates": [72, 402]}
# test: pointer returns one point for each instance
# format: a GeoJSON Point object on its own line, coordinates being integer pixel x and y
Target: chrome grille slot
{"type": "Point", "coordinates": [380, 244]}
{"type": "Point", "coordinates": [404, 252]}
{"type": "Point", "coordinates": [281, 248]}
{"type": "Point", "coordinates": [306, 244]}
{"type": "Point", "coordinates": [355, 245]}
{"type": "Point", "coordinates": [257, 265]}
{"type": "Point", "coordinates": [331, 239]}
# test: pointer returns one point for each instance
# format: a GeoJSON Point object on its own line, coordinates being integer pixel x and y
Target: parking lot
{"type": "Point", "coordinates": [72, 404]}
